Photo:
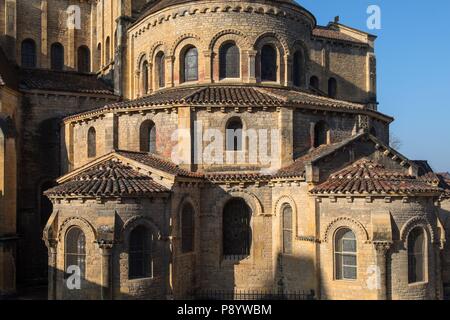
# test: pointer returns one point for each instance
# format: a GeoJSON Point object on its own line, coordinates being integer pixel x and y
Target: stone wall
{"type": "Point", "coordinates": [357, 215]}
{"type": "Point", "coordinates": [39, 165]}
{"type": "Point", "coordinates": [250, 25]}
{"type": "Point", "coordinates": [121, 217]}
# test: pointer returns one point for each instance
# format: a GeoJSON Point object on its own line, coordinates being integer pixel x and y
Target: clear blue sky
{"type": "Point", "coordinates": [413, 52]}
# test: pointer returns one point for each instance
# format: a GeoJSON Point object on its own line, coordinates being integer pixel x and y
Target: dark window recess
{"type": "Point", "coordinates": [268, 63]}
{"type": "Point", "coordinates": [314, 82]}
{"type": "Point", "coordinates": [148, 137]}
{"type": "Point", "coordinates": [191, 65]}
{"type": "Point", "coordinates": [28, 54]}
{"type": "Point", "coordinates": [297, 68]}
{"type": "Point", "coordinates": [236, 228]}
{"type": "Point", "coordinates": [140, 254]}
{"type": "Point", "coordinates": [161, 69]}
{"type": "Point", "coordinates": [416, 256]}
{"type": "Point", "coordinates": [332, 88]}
{"type": "Point", "coordinates": [75, 250]}
{"type": "Point", "coordinates": [229, 61]}
{"type": "Point", "coordinates": [84, 59]}
{"type": "Point", "coordinates": [187, 229]}
{"type": "Point", "coordinates": [234, 135]}
{"type": "Point", "coordinates": [92, 143]}
{"type": "Point", "coordinates": [287, 229]}
{"type": "Point", "coordinates": [57, 56]}
{"type": "Point", "coordinates": [144, 76]}
{"type": "Point", "coordinates": [320, 134]}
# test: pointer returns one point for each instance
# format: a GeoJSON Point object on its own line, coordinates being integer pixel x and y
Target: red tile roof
{"type": "Point", "coordinates": [298, 167]}
{"type": "Point", "coordinates": [109, 178]}
{"type": "Point", "coordinates": [368, 177]}
{"type": "Point", "coordinates": [158, 163]}
{"type": "Point", "coordinates": [228, 95]}
{"type": "Point", "coordinates": [67, 81]}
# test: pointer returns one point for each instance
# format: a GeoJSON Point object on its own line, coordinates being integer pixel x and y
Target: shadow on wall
{"type": "Point", "coordinates": [444, 215]}
{"type": "Point", "coordinates": [345, 90]}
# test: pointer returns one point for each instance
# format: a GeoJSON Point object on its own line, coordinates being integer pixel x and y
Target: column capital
{"type": "Point", "coordinates": [382, 246]}
{"type": "Point", "coordinates": [105, 245]}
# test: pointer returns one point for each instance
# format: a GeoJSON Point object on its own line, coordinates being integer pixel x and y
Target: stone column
{"type": "Point", "coordinates": [169, 71]}
{"type": "Point", "coordinates": [52, 269]}
{"type": "Point", "coordinates": [207, 55]}
{"type": "Point", "coordinates": [150, 77]}
{"type": "Point", "coordinates": [288, 73]}
{"type": "Point", "coordinates": [251, 66]}
{"type": "Point", "coordinates": [44, 56]}
{"type": "Point", "coordinates": [138, 83]}
{"type": "Point", "coordinates": [381, 249]}
{"type": "Point", "coordinates": [106, 252]}
{"type": "Point", "coordinates": [438, 267]}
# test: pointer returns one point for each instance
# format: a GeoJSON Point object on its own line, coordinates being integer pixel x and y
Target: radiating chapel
{"type": "Point", "coordinates": [169, 149]}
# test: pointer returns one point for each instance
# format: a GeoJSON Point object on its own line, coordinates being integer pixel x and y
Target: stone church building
{"type": "Point", "coordinates": [163, 149]}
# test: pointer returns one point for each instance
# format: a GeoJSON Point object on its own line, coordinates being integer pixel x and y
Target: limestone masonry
{"type": "Point", "coordinates": [128, 160]}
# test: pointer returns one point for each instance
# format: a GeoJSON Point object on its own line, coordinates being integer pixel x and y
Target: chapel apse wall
{"type": "Point", "coordinates": [346, 62]}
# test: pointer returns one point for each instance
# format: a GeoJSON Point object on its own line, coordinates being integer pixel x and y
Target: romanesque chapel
{"type": "Point", "coordinates": [128, 154]}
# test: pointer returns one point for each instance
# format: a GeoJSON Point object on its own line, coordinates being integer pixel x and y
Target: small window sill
{"type": "Point", "coordinates": [346, 280]}
{"type": "Point", "coordinates": [141, 279]}
{"type": "Point", "coordinates": [418, 284]}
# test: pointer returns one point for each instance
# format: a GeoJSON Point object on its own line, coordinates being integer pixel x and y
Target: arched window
{"type": "Point", "coordinates": [144, 77]}
{"type": "Point", "coordinates": [321, 134]}
{"type": "Point", "coordinates": [99, 56]}
{"type": "Point", "coordinates": [297, 67]}
{"type": "Point", "coordinates": [190, 65]}
{"type": "Point", "coordinates": [314, 82]}
{"type": "Point", "coordinates": [234, 135]}
{"type": "Point", "coordinates": [187, 229]}
{"type": "Point", "coordinates": [75, 250]}
{"type": "Point", "coordinates": [28, 53]}
{"type": "Point", "coordinates": [416, 256]}
{"type": "Point", "coordinates": [345, 255]}
{"type": "Point", "coordinates": [92, 143]}
{"type": "Point", "coordinates": [332, 88]}
{"type": "Point", "coordinates": [148, 137]}
{"type": "Point", "coordinates": [84, 59]}
{"type": "Point", "coordinates": [287, 229]}
{"type": "Point", "coordinates": [107, 50]}
{"type": "Point", "coordinates": [160, 69]}
{"type": "Point", "coordinates": [140, 264]}
{"type": "Point", "coordinates": [268, 63]}
{"type": "Point", "coordinates": [237, 235]}
{"type": "Point", "coordinates": [229, 61]}
{"type": "Point", "coordinates": [57, 56]}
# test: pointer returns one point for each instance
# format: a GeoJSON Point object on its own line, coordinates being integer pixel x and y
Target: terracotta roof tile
{"type": "Point", "coordinates": [298, 167]}
{"type": "Point", "coordinates": [368, 177]}
{"type": "Point", "coordinates": [158, 163]}
{"type": "Point", "coordinates": [324, 32]}
{"type": "Point", "coordinates": [49, 80]}
{"type": "Point", "coordinates": [223, 95]}
{"type": "Point", "coordinates": [237, 177]}
{"type": "Point", "coordinates": [109, 178]}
